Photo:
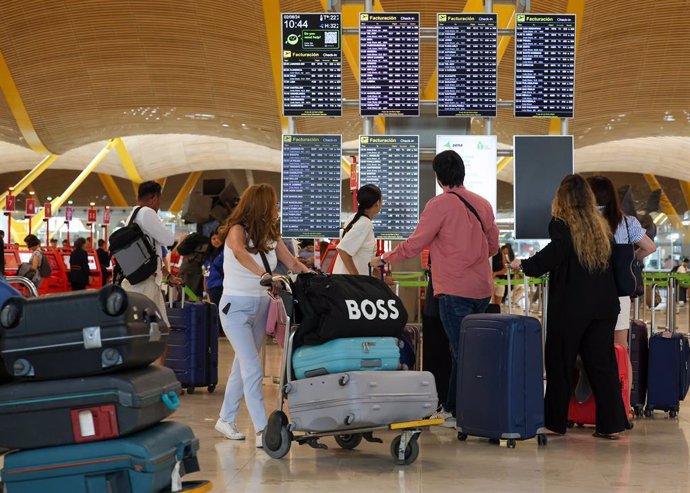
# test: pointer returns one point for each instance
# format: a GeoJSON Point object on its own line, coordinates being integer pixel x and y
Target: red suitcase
{"type": "Point", "coordinates": [583, 413]}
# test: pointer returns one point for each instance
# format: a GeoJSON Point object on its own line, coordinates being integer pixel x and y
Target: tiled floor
{"type": "Point", "coordinates": [653, 457]}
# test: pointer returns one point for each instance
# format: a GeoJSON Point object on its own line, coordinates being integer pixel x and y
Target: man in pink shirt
{"type": "Point", "coordinates": [459, 228]}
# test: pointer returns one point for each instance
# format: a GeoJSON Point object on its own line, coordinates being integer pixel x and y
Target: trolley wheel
{"type": "Point", "coordinates": [512, 443]}
{"type": "Point", "coordinates": [571, 424]}
{"type": "Point", "coordinates": [211, 388]}
{"type": "Point", "coordinates": [348, 442]}
{"type": "Point", "coordinates": [462, 436]}
{"type": "Point", "coordinates": [648, 413]}
{"type": "Point", "coordinates": [542, 440]}
{"type": "Point", "coordinates": [284, 441]}
{"type": "Point", "coordinates": [411, 451]}
{"type": "Point", "coordinates": [672, 413]}
{"type": "Point", "coordinates": [190, 390]}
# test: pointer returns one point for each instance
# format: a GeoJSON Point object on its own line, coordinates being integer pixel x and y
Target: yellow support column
{"type": "Point", "coordinates": [186, 189]}
{"type": "Point", "coordinates": [56, 203]}
{"type": "Point", "coordinates": [502, 163]}
{"type": "Point", "coordinates": [272, 20]}
{"type": "Point", "coordinates": [112, 190]}
{"type": "Point", "coordinates": [664, 202]}
{"type": "Point", "coordinates": [685, 188]}
{"type": "Point", "coordinates": [30, 177]}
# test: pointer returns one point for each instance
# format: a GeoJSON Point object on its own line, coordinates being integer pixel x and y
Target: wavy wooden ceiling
{"type": "Point", "coordinates": [89, 70]}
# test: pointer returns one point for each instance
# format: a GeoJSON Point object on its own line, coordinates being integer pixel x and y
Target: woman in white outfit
{"type": "Point", "coordinates": [625, 229]}
{"type": "Point", "coordinates": [252, 248]}
{"type": "Point", "coordinates": [358, 244]}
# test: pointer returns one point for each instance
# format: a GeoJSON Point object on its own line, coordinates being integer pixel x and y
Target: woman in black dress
{"type": "Point", "coordinates": [583, 308]}
{"type": "Point", "coordinates": [79, 266]}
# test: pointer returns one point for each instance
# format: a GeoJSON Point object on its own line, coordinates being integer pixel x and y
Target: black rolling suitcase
{"type": "Point", "coordinates": [79, 410]}
{"type": "Point", "coordinates": [81, 333]}
{"type": "Point", "coordinates": [436, 355]}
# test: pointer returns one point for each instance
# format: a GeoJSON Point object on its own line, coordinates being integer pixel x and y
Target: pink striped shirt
{"type": "Point", "coordinates": [460, 250]}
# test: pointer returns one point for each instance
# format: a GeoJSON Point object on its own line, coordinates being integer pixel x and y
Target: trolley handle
{"type": "Point", "coordinates": [284, 282]}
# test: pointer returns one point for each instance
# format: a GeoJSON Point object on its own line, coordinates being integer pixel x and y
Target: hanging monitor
{"type": "Point", "coordinates": [479, 155]}
{"type": "Point", "coordinates": [312, 64]}
{"type": "Point", "coordinates": [389, 64]}
{"type": "Point", "coordinates": [540, 162]}
{"type": "Point", "coordinates": [466, 62]}
{"type": "Point", "coordinates": [392, 163]}
{"type": "Point", "coordinates": [310, 183]}
{"type": "Point", "coordinates": [545, 65]}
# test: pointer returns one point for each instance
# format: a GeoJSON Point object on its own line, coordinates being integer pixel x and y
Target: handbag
{"type": "Point", "coordinates": [276, 322]}
{"type": "Point", "coordinates": [25, 270]}
{"type": "Point", "coordinates": [626, 267]}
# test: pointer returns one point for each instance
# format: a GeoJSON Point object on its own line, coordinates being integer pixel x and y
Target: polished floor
{"type": "Point", "coordinates": [653, 457]}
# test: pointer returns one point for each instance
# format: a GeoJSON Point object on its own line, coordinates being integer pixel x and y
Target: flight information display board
{"type": "Point", "coordinates": [312, 64]}
{"type": "Point", "coordinates": [311, 186]}
{"type": "Point", "coordinates": [392, 163]}
{"type": "Point", "coordinates": [466, 62]}
{"type": "Point", "coordinates": [389, 64]}
{"type": "Point", "coordinates": [545, 65]}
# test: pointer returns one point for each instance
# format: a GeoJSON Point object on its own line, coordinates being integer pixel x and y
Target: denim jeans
{"type": "Point", "coordinates": [453, 309]}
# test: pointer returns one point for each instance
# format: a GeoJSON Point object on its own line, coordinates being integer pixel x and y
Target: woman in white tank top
{"type": "Point", "coordinates": [252, 247]}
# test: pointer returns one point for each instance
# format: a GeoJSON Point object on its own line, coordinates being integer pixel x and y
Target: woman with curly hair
{"type": "Point", "coordinates": [583, 308]}
{"type": "Point", "coordinates": [252, 248]}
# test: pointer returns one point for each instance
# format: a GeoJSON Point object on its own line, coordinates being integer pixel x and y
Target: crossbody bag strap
{"type": "Point", "coordinates": [471, 209]}
{"type": "Point", "coordinates": [267, 266]}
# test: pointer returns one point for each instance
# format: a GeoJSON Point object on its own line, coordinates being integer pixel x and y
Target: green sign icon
{"type": "Point", "coordinates": [520, 18]}
{"type": "Point", "coordinates": [292, 39]}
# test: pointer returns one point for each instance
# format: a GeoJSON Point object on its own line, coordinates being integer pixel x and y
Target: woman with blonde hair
{"type": "Point", "coordinates": [582, 310]}
{"type": "Point", "coordinates": [252, 248]}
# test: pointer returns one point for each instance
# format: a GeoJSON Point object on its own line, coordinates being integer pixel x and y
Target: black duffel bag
{"type": "Point", "coordinates": [337, 306]}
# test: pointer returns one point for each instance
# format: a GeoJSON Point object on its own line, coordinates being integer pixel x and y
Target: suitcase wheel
{"type": "Point", "coordinates": [190, 390]}
{"type": "Point", "coordinates": [649, 413]}
{"type": "Point", "coordinates": [211, 388]}
{"type": "Point", "coordinates": [462, 436]}
{"type": "Point", "coordinates": [542, 440]}
{"type": "Point", "coordinates": [672, 413]}
{"type": "Point", "coordinates": [349, 442]}
{"type": "Point", "coordinates": [571, 424]}
{"type": "Point", "coordinates": [411, 451]}
{"type": "Point", "coordinates": [512, 443]}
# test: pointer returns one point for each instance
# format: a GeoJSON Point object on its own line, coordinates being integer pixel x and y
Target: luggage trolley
{"type": "Point", "coordinates": [280, 433]}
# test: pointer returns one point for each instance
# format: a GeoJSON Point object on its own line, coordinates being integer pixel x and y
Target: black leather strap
{"type": "Point", "coordinates": [267, 266]}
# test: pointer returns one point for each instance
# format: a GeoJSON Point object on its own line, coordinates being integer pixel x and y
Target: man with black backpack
{"type": "Point", "coordinates": [137, 247]}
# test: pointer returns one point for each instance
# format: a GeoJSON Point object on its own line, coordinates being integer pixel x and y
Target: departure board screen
{"type": "Point", "coordinates": [545, 65]}
{"type": "Point", "coordinates": [389, 64]}
{"type": "Point", "coordinates": [467, 66]}
{"type": "Point", "coordinates": [392, 163]}
{"type": "Point", "coordinates": [312, 64]}
{"type": "Point", "coordinates": [311, 186]}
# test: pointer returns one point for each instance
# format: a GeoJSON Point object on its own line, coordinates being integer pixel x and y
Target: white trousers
{"type": "Point", "coordinates": [151, 290]}
{"type": "Point", "coordinates": [244, 323]}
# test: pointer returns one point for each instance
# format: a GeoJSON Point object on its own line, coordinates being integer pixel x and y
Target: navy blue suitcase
{"type": "Point", "coordinates": [668, 375]}
{"type": "Point", "coordinates": [193, 345]}
{"type": "Point", "coordinates": [148, 462]}
{"type": "Point", "coordinates": [500, 386]}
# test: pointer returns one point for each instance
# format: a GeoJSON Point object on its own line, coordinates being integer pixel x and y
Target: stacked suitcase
{"type": "Point", "coordinates": [84, 407]}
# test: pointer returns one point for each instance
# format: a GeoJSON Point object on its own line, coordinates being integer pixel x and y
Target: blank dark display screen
{"type": "Point", "coordinates": [540, 164]}
{"type": "Point", "coordinates": [545, 65]}
{"type": "Point", "coordinates": [392, 163]}
{"type": "Point", "coordinates": [389, 64]}
{"type": "Point", "coordinates": [467, 64]}
{"type": "Point", "coordinates": [311, 186]}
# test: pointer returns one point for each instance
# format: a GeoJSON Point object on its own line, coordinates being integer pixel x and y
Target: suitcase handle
{"type": "Point", "coordinates": [171, 400]}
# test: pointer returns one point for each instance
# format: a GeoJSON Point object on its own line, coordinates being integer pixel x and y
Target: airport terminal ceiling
{"type": "Point", "coordinates": [91, 70]}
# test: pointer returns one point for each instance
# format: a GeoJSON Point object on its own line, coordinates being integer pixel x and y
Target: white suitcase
{"type": "Point", "coordinates": [360, 399]}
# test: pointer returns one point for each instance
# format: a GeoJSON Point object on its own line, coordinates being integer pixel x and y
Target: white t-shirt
{"type": "Point", "coordinates": [237, 280]}
{"type": "Point", "coordinates": [360, 243]}
{"type": "Point", "coordinates": [152, 226]}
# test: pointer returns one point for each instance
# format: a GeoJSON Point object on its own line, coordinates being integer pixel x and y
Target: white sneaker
{"type": "Point", "coordinates": [259, 440]}
{"type": "Point", "coordinates": [229, 430]}
{"type": "Point", "coordinates": [442, 414]}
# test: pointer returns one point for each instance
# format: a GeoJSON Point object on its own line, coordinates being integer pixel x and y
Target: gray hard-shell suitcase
{"type": "Point", "coordinates": [360, 399]}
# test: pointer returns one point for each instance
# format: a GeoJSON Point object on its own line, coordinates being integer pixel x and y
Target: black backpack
{"type": "Point", "coordinates": [135, 255]}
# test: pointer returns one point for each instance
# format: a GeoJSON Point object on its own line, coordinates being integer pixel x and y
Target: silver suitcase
{"type": "Point", "coordinates": [361, 399]}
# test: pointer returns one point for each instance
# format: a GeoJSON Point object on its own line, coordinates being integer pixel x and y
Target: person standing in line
{"type": "Point", "coordinates": [2, 253]}
{"type": "Point", "coordinates": [252, 249]}
{"type": "Point", "coordinates": [357, 244]}
{"type": "Point", "coordinates": [34, 266]}
{"type": "Point", "coordinates": [683, 292]}
{"type": "Point", "coordinates": [459, 227]}
{"type": "Point", "coordinates": [625, 229]}
{"type": "Point", "coordinates": [79, 266]}
{"type": "Point", "coordinates": [103, 259]}
{"type": "Point", "coordinates": [149, 201]}
{"type": "Point", "coordinates": [213, 265]}
{"type": "Point", "coordinates": [582, 308]}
